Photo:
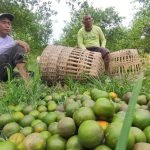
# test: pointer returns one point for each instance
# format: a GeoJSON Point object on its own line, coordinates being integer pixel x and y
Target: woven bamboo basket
{"type": "Point", "coordinates": [125, 62]}
{"type": "Point", "coordinates": [58, 62]}
{"type": "Point", "coordinates": [48, 62]}
{"type": "Point", "coordinates": [146, 61]}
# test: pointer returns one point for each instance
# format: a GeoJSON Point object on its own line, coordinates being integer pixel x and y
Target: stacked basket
{"type": "Point", "coordinates": [58, 62]}
{"type": "Point", "coordinates": [125, 62]}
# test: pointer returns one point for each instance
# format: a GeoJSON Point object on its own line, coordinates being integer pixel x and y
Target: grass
{"type": "Point", "coordinates": [15, 91]}
{"type": "Point", "coordinates": [111, 84]}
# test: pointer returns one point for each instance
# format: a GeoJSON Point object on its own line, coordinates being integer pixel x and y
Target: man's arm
{"type": "Point", "coordinates": [23, 45]}
{"type": "Point", "coordinates": [80, 40]}
{"type": "Point", "coordinates": [102, 38]}
{"type": "Point", "coordinates": [21, 65]}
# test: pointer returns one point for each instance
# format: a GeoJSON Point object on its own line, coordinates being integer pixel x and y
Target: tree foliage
{"type": "Point", "coordinates": [107, 19]}
{"type": "Point", "coordinates": [32, 21]}
{"type": "Point", "coordinates": [139, 34]}
{"type": "Point", "coordinates": [118, 37]}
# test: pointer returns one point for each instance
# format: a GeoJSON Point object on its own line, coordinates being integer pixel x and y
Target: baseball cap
{"type": "Point", "coordinates": [7, 15]}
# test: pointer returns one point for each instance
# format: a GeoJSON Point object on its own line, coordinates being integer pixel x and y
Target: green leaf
{"type": "Point", "coordinates": [123, 138]}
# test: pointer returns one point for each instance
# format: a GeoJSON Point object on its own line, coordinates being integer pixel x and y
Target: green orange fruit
{"type": "Point", "coordinates": [42, 115]}
{"type": "Point", "coordinates": [73, 143]}
{"type": "Point", "coordinates": [34, 122]}
{"type": "Point", "coordinates": [96, 94]}
{"type": "Point", "coordinates": [147, 133]}
{"type": "Point", "coordinates": [66, 127]}
{"type": "Point", "coordinates": [53, 128]}
{"type": "Point", "coordinates": [39, 127]}
{"type": "Point", "coordinates": [102, 147]}
{"type": "Point", "coordinates": [82, 114]}
{"type": "Point", "coordinates": [42, 108]}
{"type": "Point", "coordinates": [34, 141]}
{"type": "Point", "coordinates": [138, 134]}
{"type": "Point", "coordinates": [52, 105]}
{"type": "Point", "coordinates": [10, 129]}
{"type": "Point", "coordinates": [50, 117]}
{"type": "Point", "coordinates": [7, 145]}
{"type": "Point", "coordinates": [34, 113]}
{"type": "Point", "coordinates": [18, 116]}
{"type": "Point", "coordinates": [5, 118]}
{"type": "Point", "coordinates": [141, 118]}
{"type": "Point", "coordinates": [71, 108]}
{"type": "Point", "coordinates": [88, 103]}
{"type": "Point", "coordinates": [45, 134]}
{"type": "Point", "coordinates": [27, 120]}
{"type": "Point", "coordinates": [104, 109]}
{"type": "Point", "coordinates": [17, 139]}
{"type": "Point", "coordinates": [56, 142]}
{"type": "Point", "coordinates": [90, 134]}
{"type": "Point", "coordinates": [112, 134]}
{"type": "Point", "coordinates": [28, 109]}
{"type": "Point", "coordinates": [26, 130]}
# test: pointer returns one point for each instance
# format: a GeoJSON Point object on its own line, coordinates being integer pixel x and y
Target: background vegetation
{"type": "Point", "coordinates": [117, 35]}
{"type": "Point", "coordinates": [33, 24]}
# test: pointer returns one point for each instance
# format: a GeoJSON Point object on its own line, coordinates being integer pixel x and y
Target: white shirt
{"type": "Point", "coordinates": [6, 43]}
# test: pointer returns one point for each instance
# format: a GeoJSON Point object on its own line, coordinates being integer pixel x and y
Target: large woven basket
{"type": "Point", "coordinates": [48, 63]}
{"type": "Point", "coordinates": [58, 62]}
{"type": "Point", "coordinates": [125, 62]}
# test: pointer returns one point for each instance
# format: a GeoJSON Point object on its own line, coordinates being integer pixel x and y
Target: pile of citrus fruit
{"type": "Point", "coordinates": [88, 121]}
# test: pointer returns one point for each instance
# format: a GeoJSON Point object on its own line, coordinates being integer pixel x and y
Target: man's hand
{"type": "Point", "coordinates": [24, 45]}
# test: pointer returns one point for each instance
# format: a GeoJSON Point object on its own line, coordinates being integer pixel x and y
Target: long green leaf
{"type": "Point", "coordinates": [123, 138]}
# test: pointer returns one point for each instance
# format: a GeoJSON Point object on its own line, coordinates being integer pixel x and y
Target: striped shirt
{"type": "Point", "coordinates": [6, 43]}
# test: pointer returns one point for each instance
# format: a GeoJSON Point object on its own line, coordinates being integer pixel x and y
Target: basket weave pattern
{"type": "Point", "coordinates": [57, 62]}
{"type": "Point", "coordinates": [125, 62]}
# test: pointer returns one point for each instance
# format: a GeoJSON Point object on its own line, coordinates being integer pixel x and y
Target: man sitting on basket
{"type": "Point", "coordinates": [91, 37]}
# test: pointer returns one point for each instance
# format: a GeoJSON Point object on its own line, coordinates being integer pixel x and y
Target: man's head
{"type": "Point", "coordinates": [5, 24]}
{"type": "Point", "coordinates": [88, 22]}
